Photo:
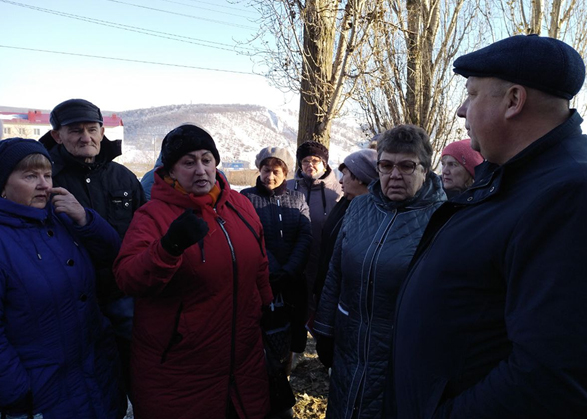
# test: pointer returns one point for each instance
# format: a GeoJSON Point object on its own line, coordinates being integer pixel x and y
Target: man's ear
{"type": "Point", "coordinates": [56, 136]}
{"type": "Point", "coordinates": [515, 98]}
{"type": "Point", "coordinates": [102, 130]}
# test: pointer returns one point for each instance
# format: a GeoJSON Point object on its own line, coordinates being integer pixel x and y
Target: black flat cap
{"type": "Point", "coordinates": [74, 110]}
{"type": "Point", "coordinates": [542, 63]}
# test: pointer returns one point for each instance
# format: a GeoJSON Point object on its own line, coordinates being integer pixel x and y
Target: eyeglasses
{"type": "Point", "coordinates": [405, 167]}
{"type": "Point", "coordinates": [313, 162]}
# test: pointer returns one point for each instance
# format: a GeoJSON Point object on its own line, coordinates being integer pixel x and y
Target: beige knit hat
{"type": "Point", "coordinates": [275, 152]}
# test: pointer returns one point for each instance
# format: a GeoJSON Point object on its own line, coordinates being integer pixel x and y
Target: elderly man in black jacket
{"type": "Point", "coordinates": [83, 164]}
{"type": "Point", "coordinates": [492, 318]}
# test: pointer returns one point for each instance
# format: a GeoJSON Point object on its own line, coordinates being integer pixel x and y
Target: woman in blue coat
{"type": "Point", "coordinates": [57, 353]}
{"type": "Point", "coordinates": [379, 235]}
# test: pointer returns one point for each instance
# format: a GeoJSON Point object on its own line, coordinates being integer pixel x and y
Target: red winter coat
{"type": "Point", "coordinates": [196, 334]}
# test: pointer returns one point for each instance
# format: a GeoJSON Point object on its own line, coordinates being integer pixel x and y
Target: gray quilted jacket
{"type": "Point", "coordinates": [374, 247]}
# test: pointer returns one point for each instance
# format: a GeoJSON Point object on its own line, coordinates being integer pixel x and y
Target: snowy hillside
{"type": "Point", "coordinates": [240, 131]}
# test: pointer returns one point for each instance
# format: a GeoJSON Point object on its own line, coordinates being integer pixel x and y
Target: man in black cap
{"type": "Point", "coordinates": [492, 318]}
{"type": "Point", "coordinates": [83, 164]}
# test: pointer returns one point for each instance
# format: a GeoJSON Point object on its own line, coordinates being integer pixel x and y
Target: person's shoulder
{"type": "Point", "coordinates": [249, 191]}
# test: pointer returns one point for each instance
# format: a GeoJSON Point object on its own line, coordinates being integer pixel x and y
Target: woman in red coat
{"type": "Point", "coordinates": [195, 260]}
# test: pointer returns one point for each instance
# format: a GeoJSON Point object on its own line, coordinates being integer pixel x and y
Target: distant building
{"type": "Point", "coordinates": [18, 122]}
{"type": "Point", "coordinates": [235, 165]}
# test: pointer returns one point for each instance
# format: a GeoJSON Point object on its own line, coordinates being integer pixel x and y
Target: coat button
{"type": "Point", "coordinates": [470, 198]}
{"type": "Point", "coordinates": [50, 233]}
{"type": "Point", "coordinates": [70, 262]}
{"type": "Point", "coordinates": [83, 298]}
{"type": "Point", "coordinates": [126, 204]}
{"type": "Point", "coordinates": [88, 180]}
{"type": "Point", "coordinates": [125, 193]}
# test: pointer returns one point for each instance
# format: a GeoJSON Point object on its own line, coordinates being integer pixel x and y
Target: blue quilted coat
{"type": "Point", "coordinates": [57, 352]}
{"type": "Point", "coordinates": [376, 242]}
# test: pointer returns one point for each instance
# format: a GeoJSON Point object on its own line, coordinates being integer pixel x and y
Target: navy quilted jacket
{"type": "Point", "coordinates": [371, 256]}
{"type": "Point", "coordinates": [286, 223]}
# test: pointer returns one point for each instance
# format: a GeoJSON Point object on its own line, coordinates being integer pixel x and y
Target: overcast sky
{"type": "Point", "coordinates": [45, 52]}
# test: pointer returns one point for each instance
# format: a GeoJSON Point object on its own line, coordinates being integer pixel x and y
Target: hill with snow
{"type": "Point", "coordinates": [239, 131]}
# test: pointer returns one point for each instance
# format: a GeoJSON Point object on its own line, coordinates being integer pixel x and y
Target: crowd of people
{"type": "Point", "coordinates": [452, 295]}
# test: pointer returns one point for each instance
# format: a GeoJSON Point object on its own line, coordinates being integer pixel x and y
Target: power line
{"type": "Point", "coordinates": [149, 32]}
{"type": "Point", "coordinates": [204, 8]}
{"type": "Point", "coordinates": [128, 60]}
{"type": "Point", "coordinates": [184, 15]}
{"type": "Point", "coordinates": [223, 6]}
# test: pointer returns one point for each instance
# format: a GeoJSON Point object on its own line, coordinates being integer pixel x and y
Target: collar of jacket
{"type": "Point", "coordinates": [489, 176]}
{"type": "Point", "coordinates": [430, 192]}
{"type": "Point", "coordinates": [265, 191]}
{"type": "Point", "coordinates": [17, 215]}
{"type": "Point", "coordinates": [310, 182]}
{"type": "Point", "coordinates": [109, 150]}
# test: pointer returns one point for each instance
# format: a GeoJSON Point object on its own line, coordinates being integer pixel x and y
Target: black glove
{"type": "Point", "coordinates": [184, 231]}
{"type": "Point", "coordinates": [325, 349]}
{"type": "Point", "coordinates": [278, 280]}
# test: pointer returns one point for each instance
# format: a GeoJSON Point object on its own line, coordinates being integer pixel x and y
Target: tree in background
{"type": "Point", "coordinates": [394, 57]}
{"type": "Point", "coordinates": [312, 47]}
{"type": "Point", "coordinates": [561, 19]}
{"type": "Point", "coordinates": [413, 46]}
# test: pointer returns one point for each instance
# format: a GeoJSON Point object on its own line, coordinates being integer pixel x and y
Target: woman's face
{"type": "Point", "coordinates": [351, 187]}
{"type": "Point", "coordinates": [195, 172]}
{"type": "Point", "coordinates": [272, 176]}
{"type": "Point", "coordinates": [29, 187]}
{"type": "Point", "coordinates": [454, 174]}
{"type": "Point", "coordinates": [398, 185]}
{"type": "Point", "coordinates": [313, 166]}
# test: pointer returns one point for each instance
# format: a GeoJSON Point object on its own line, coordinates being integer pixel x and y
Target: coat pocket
{"type": "Point", "coordinates": [176, 337]}
{"type": "Point", "coordinates": [121, 204]}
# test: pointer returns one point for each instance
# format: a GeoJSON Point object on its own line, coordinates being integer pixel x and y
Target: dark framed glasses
{"type": "Point", "coordinates": [405, 167]}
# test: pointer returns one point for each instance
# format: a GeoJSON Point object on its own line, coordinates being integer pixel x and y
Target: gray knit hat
{"type": "Point", "coordinates": [362, 164]}
{"type": "Point", "coordinates": [13, 150]}
{"type": "Point", "coordinates": [275, 152]}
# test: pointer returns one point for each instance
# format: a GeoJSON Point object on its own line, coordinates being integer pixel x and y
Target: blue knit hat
{"type": "Point", "coordinates": [13, 150]}
{"type": "Point", "coordinates": [542, 63]}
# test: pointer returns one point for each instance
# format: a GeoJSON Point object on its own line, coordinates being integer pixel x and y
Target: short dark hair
{"type": "Point", "coordinates": [344, 166]}
{"type": "Point", "coordinates": [408, 139]}
{"type": "Point", "coordinates": [272, 162]}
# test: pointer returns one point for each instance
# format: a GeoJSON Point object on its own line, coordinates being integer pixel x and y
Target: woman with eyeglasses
{"type": "Point", "coordinates": [194, 257]}
{"type": "Point", "coordinates": [378, 237]}
{"type": "Point", "coordinates": [318, 183]}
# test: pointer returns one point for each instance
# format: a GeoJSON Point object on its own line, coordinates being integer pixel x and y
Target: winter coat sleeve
{"type": "Point", "coordinates": [98, 237]}
{"type": "Point", "coordinates": [143, 267]}
{"type": "Point", "coordinates": [14, 379]}
{"type": "Point", "coordinates": [328, 305]}
{"type": "Point", "coordinates": [545, 317]}
{"type": "Point", "coordinates": [299, 256]}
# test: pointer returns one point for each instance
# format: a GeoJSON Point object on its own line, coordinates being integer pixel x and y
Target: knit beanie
{"type": "Point", "coordinates": [279, 153]}
{"type": "Point", "coordinates": [75, 110]}
{"type": "Point", "coordinates": [462, 152]}
{"type": "Point", "coordinates": [13, 150]}
{"type": "Point", "coordinates": [312, 148]}
{"type": "Point", "coordinates": [184, 139]}
{"type": "Point", "coordinates": [362, 164]}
